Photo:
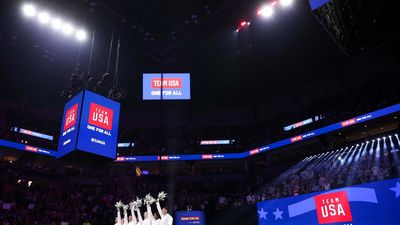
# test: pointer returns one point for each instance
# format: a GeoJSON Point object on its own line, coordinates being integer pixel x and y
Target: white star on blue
{"type": "Point", "coordinates": [263, 214]}
{"type": "Point", "coordinates": [278, 214]}
{"type": "Point", "coordinates": [396, 189]}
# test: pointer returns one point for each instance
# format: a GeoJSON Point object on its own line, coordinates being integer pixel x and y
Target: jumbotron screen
{"type": "Point", "coordinates": [366, 204]}
{"type": "Point", "coordinates": [173, 86]}
{"type": "Point", "coordinates": [90, 124]}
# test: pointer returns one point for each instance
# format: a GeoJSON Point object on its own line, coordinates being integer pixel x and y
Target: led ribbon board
{"type": "Point", "coordinates": [27, 148]}
{"type": "Point", "coordinates": [324, 130]}
{"type": "Point", "coordinates": [217, 142]}
{"type": "Point", "coordinates": [367, 204]}
{"type": "Point", "coordinates": [173, 86]}
{"type": "Point", "coordinates": [35, 134]}
{"type": "Point", "coordinates": [190, 218]}
{"type": "Point", "coordinates": [298, 124]}
{"type": "Point", "coordinates": [90, 124]}
{"type": "Point", "coordinates": [333, 127]}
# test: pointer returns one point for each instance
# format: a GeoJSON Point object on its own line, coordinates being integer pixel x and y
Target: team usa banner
{"type": "Point", "coordinates": [366, 204]}
{"type": "Point", "coordinates": [173, 86]}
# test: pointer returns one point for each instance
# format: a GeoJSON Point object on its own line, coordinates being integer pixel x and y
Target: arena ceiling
{"type": "Point", "coordinates": [283, 56]}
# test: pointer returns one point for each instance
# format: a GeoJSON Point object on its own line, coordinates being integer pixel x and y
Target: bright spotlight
{"type": "Point", "coordinates": [56, 24]}
{"type": "Point", "coordinates": [266, 11]}
{"type": "Point", "coordinates": [68, 29]}
{"type": "Point", "coordinates": [29, 10]}
{"type": "Point", "coordinates": [81, 35]}
{"type": "Point", "coordinates": [44, 18]}
{"type": "Point", "coordinates": [286, 3]}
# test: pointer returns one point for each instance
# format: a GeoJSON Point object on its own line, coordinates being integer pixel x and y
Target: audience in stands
{"type": "Point", "coordinates": [32, 194]}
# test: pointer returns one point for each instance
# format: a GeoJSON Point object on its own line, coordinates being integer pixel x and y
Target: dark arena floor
{"type": "Point", "coordinates": [203, 112]}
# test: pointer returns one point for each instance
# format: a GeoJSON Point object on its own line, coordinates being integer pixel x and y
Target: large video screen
{"type": "Point", "coordinates": [190, 218]}
{"type": "Point", "coordinates": [366, 204]}
{"type": "Point", "coordinates": [70, 125]}
{"type": "Point", "coordinates": [98, 133]}
{"type": "Point", "coordinates": [174, 86]}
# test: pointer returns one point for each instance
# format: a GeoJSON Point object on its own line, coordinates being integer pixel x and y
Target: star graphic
{"type": "Point", "coordinates": [396, 189]}
{"type": "Point", "coordinates": [263, 214]}
{"type": "Point", "coordinates": [278, 214]}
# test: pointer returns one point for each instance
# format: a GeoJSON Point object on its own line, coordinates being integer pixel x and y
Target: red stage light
{"type": "Point", "coordinates": [243, 23]}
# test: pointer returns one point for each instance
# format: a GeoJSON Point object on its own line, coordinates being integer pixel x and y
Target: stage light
{"type": "Point", "coordinates": [68, 29]}
{"type": "Point", "coordinates": [44, 18]}
{"type": "Point", "coordinates": [286, 3]}
{"type": "Point", "coordinates": [266, 11]}
{"type": "Point", "coordinates": [56, 24]}
{"type": "Point", "coordinates": [237, 30]}
{"type": "Point", "coordinates": [81, 35]}
{"type": "Point", "coordinates": [243, 23]}
{"type": "Point", "coordinates": [29, 10]}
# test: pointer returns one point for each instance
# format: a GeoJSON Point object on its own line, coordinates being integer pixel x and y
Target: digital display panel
{"type": "Point", "coordinates": [70, 125]}
{"type": "Point", "coordinates": [27, 148]}
{"type": "Point", "coordinates": [98, 132]}
{"type": "Point", "coordinates": [366, 204]}
{"type": "Point", "coordinates": [35, 134]}
{"type": "Point", "coordinates": [190, 218]}
{"type": "Point", "coordinates": [298, 124]}
{"type": "Point", "coordinates": [217, 142]}
{"type": "Point", "coordinates": [315, 4]}
{"type": "Point", "coordinates": [173, 86]}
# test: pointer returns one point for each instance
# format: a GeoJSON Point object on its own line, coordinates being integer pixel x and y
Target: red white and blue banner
{"type": "Point", "coordinates": [366, 204]}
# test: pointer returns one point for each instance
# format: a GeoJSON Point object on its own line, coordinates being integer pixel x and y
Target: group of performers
{"type": "Point", "coordinates": [161, 218]}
